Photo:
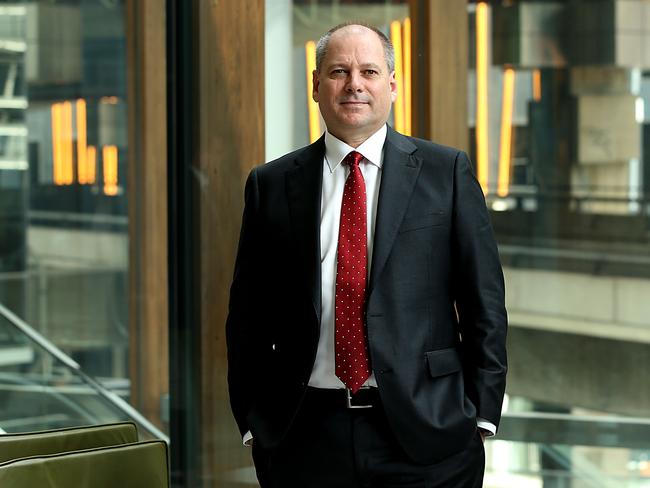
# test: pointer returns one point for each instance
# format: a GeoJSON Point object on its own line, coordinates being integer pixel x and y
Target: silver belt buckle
{"type": "Point", "coordinates": [348, 398]}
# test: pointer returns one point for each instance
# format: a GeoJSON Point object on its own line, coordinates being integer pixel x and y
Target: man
{"type": "Point", "coordinates": [366, 332]}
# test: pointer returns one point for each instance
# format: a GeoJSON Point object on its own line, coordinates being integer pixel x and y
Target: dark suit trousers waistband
{"type": "Point", "coordinates": [338, 398]}
{"type": "Point", "coordinates": [332, 446]}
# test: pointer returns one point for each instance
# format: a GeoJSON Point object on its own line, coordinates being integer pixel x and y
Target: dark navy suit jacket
{"type": "Point", "coordinates": [435, 304]}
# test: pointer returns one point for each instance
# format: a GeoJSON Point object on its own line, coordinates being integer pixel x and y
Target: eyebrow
{"type": "Point", "coordinates": [362, 66]}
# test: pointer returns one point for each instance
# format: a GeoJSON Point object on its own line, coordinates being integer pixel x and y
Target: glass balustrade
{"type": "Point", "coordinates": [43, 388]}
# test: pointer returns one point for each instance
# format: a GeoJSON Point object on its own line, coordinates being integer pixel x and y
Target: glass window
{"type": "Point", "coordinates": [559, 134]}
{"type": "Point", "coordinates": [63, 212]}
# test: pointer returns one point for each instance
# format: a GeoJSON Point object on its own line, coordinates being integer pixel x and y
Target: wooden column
{"type": "Point", "coordinates": [147, 200]}
{"type": "Point", "coordinates": [440, 42]}
{"type": "Point", "coordinates": [231, 142]}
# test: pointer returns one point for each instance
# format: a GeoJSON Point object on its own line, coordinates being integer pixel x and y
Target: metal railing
{"type": "Point", "coordinates": [116, 401]}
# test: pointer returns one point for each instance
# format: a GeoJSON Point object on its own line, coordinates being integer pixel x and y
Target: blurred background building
{"type": "Point", "coordinates": [127, 128]}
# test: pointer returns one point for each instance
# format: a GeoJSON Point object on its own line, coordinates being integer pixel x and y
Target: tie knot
{"type": "Point", "coordinates": [353, 159]}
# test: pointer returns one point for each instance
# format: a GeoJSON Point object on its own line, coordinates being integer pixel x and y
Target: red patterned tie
{"type": "Point", "coordinates": [352, 363]}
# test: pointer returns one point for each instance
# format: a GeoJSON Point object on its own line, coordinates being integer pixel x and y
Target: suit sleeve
{"type": "Point", "coordinates": [244, 333]}
{"type": "Point", "coordinates": [479, 294]}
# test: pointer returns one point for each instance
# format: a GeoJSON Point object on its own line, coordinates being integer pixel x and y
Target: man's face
{"type": "Point", "coordinates": [353, 87]}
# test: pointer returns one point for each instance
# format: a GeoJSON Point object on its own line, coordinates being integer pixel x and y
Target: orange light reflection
{"type": "Point", "coordinates": [398, 106]}
{"type": "Point", "coordinates": [312, 107]}
{"type": "Point", "coordinates": [505, 159]}
{"type": "Point", "coordinates": [408, 130]}
{"type": "Point", "coordinates": [82, 152]}
{"type": "Point", "coordinates": [482, 155]}
{"type": "Point", "coordinates": [57, 154]}
{"type": "Point", "coordinates": [109, 160]}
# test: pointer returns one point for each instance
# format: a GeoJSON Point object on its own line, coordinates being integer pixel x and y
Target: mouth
{"type": "Point", "coordinates": [354, 103]}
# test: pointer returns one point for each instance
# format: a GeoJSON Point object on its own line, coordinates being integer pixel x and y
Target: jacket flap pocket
{"type": "Point", "coordinates": [443, 362]}
{"type": "Point", "coordinates": [422, 221]}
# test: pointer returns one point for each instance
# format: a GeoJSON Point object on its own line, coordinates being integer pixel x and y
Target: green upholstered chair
{"type": "Point", "coordinates": [13, 446]}
{"type": "Point", "coordinates": [139, 465]}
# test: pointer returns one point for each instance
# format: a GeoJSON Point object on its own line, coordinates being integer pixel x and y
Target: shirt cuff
{"type": "Point", "coordinates": [248, 439]}
{"type": "Point", "coordinates": [489, 428]}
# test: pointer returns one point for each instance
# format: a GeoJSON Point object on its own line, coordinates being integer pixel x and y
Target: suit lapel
{"type": "Point", "coordinates": [400, 169]}
{"type": "Point", "coordinates": [304, 183]}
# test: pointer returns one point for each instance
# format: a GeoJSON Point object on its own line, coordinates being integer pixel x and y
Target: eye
{"type": "Point", "coordinates": [338, 71]}
{"type": "Point", "coordinates": [371, 72]}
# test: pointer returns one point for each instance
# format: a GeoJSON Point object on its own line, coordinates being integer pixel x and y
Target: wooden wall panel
{"type": "Point", "coordinates": [440, 40]}
{"type": "Point", "coordinates": [147, 197]}
{"type": "Point", "coordinates": [231, 142]}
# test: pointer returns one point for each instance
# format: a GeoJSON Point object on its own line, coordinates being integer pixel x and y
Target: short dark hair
{"type": "Point", "coordinates": [323, 43]}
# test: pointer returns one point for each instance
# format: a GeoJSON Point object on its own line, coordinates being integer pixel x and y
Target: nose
{"type": "Point", "coordinates": [354, 84]}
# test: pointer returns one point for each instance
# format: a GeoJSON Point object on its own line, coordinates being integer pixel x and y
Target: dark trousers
{"type": "Point", "coordinates": [330, 446]}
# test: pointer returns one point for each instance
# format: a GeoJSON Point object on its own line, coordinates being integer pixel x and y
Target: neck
{"type": "Point", "coordinates": [351, 139]}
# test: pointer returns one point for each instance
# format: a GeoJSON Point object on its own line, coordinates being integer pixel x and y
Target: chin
{"type": "Point", "coordinates": [354, 121]}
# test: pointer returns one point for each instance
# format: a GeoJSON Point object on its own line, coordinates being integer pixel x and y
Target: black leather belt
{"type": "Point", "coordinates": [366, 397]}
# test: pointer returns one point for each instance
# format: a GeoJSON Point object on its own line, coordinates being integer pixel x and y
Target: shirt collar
{"type": "Point", "coordinates": [371, 149]}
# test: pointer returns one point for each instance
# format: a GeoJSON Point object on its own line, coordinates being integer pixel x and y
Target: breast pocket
{"type": "Point", "coordinates": [422, 221]}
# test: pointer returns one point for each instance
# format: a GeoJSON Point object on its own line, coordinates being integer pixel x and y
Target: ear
{"type": "Point", "coordinates": [315, 85]}
{"type": "Point", "coordinates": [393, 86]}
